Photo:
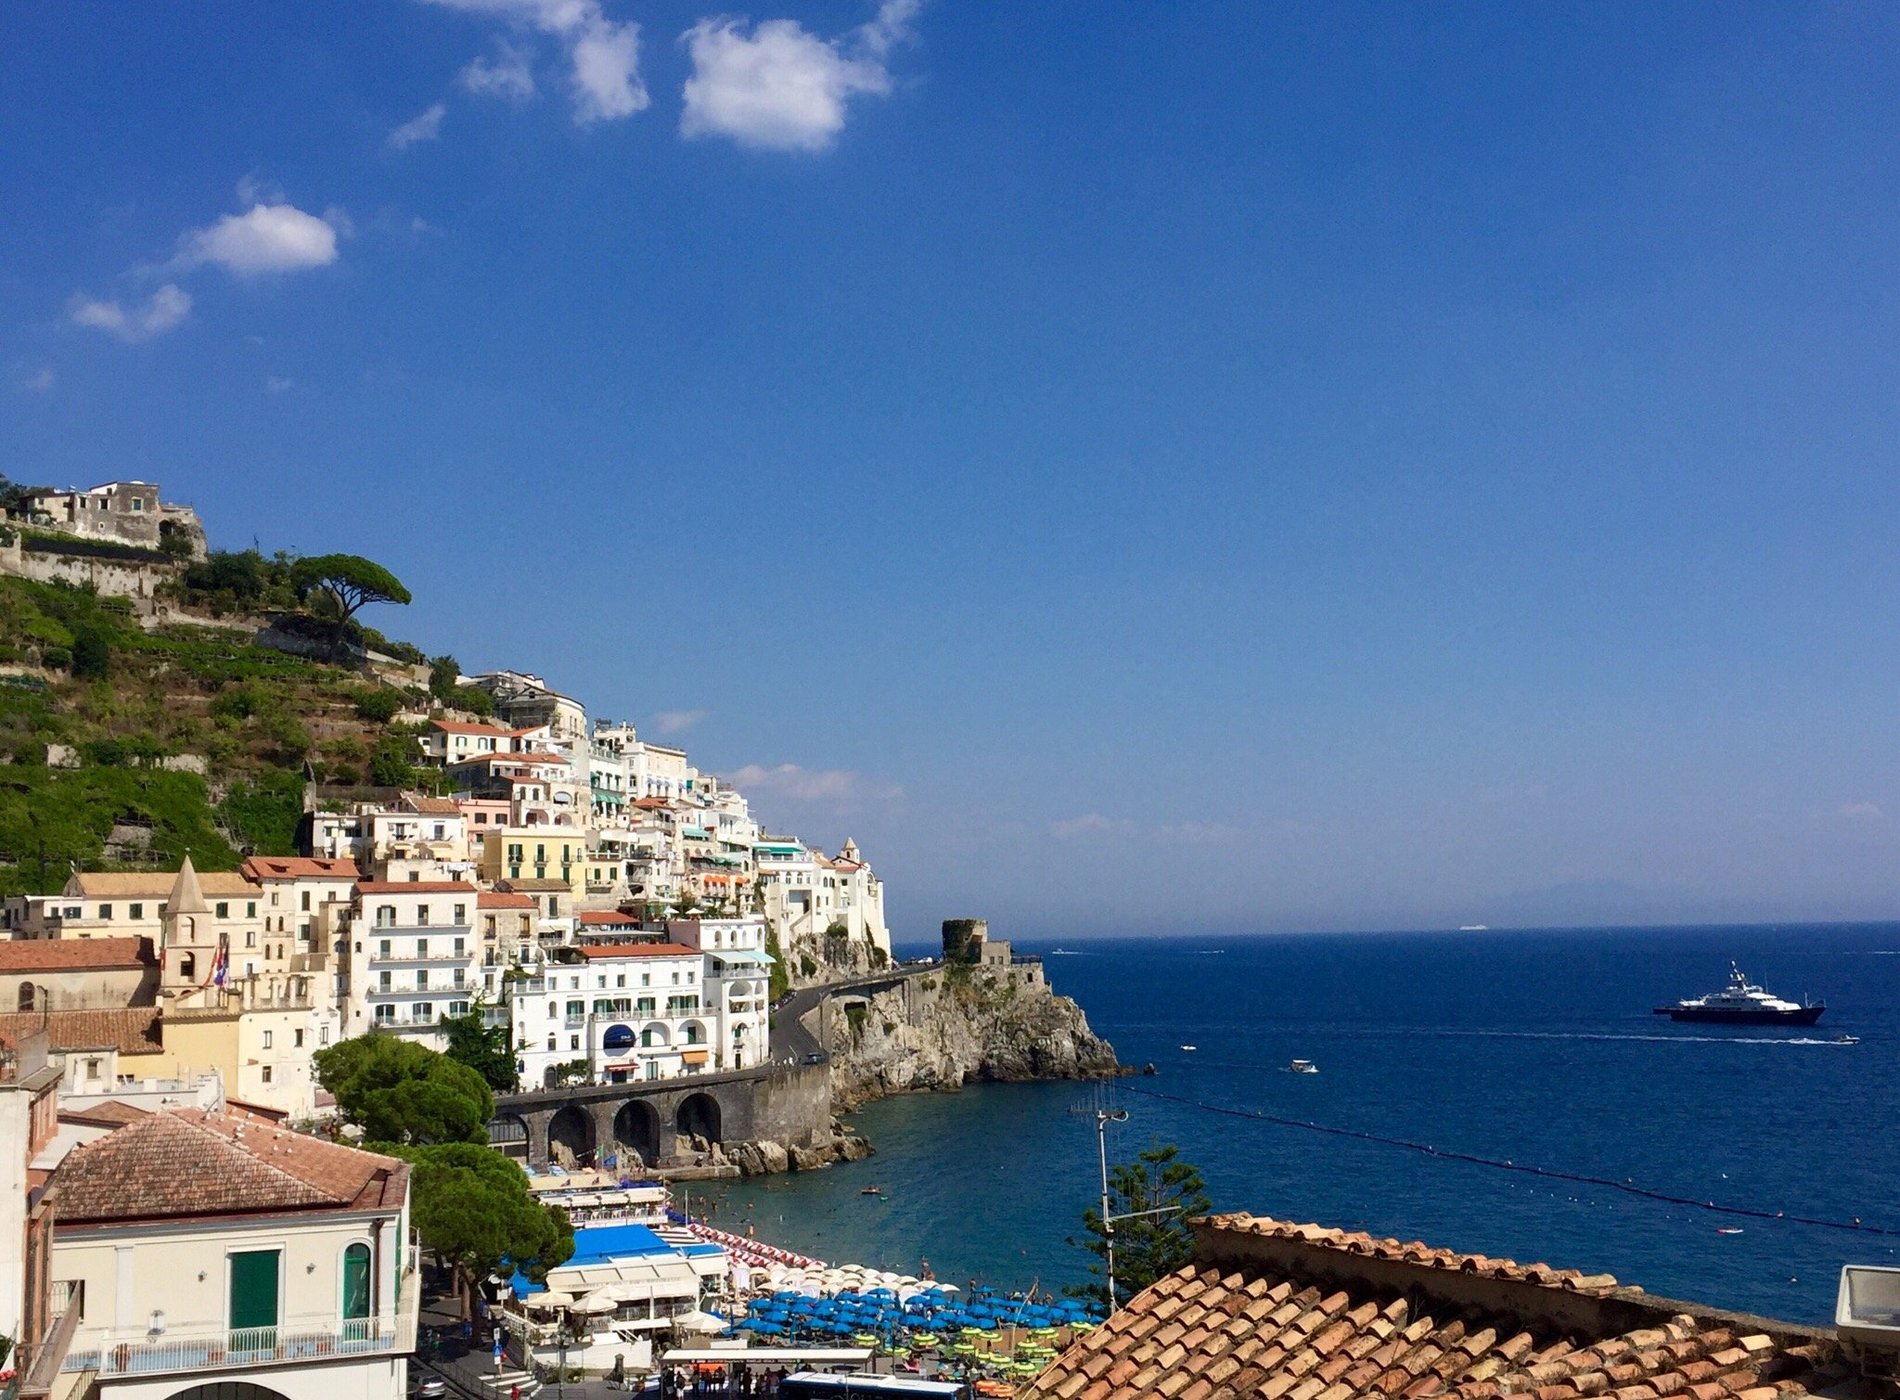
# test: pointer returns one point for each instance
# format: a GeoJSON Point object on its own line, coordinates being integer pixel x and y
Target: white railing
{"type": "Point", "coordinates": [297, 1340]}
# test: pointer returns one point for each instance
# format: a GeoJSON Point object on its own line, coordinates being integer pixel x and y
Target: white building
{"type": "Point", "coordinates": [207, 1253]}
{"type": "Point", "coordinates": [626, 1011]}
{"type": "Point", "coordinates": [737, 983]}
{"type": "Point", "coordinates": [412, 957]}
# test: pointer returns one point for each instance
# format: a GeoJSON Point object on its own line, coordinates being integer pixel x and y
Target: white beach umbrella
{"type": "Point", "coordinates": [551, 1298]}
{"type": "Point", "coordinates": [594, 1303]}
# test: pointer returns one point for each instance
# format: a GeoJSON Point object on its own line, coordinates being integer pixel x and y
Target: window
{"type": "Point", "coordinates": [253, 1284]}
{"type": "Point", "coordinates": [461, 946]}
{"type": "Point", "coordinates": [576, 1010]}
{"type": "Point", "coordinates": [383, 980]}
{"type": "Point", "coordinates": [188, 967]}
{"type": "Point", "coordinates": [385, 916]}
{"type": "Point", "coordinates": [458, 1008]}
{"type": "Point", "coordinates": [26, 996]}
{"type": "Point", "coordinates": [422, 947]}
{"type": "Point", "coordinates": [323, 1035]}
{"type": "Point", "coordinates": [461, 916]}
{"type": "Point", "coordinates": [425, 1011]}
{"type": "Point", "coordinates": [385, 1012]}
{"type": "Point", "coordinates": [267, 1074]}
{"type": "Point", "coordinates": [573, 1042]}
{"type": "Point", "coordinates": [137, 911]}
{"type": "Point", "coordinates": [267, 1038]}
{"type": "Point", "coordinates": [250, 938]}
{"type": "Point", "coordinates": [105, 911]}
{"type": "Point", "coordinates": [422, 914]}
{"type": "Point", "coordinates": [250, 910]}
{"type": "Point", "coordinates": [355, 1301]}
{"type": "Point", "coordinates": [224, 909]}
{"type": "Point", "coordinates": [553, 1010]}
{"type": "Point", "coordinates": [306, 901]}
{"type": "Point", "coordinates": [422, 980]}
{"type": "Point", "coordinates": [296, 1040]}
{"type": "Point", "coordinates": [382, 947]}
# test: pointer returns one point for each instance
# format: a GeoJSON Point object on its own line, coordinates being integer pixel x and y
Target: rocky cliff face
{"type": "Point", "coordinates": [954, 1025]}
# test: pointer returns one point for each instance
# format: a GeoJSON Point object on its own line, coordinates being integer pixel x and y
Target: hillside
{"type": "Point", "coordinates": [122, 746]}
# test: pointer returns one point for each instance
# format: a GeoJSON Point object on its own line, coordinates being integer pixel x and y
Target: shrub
{"type": "Point", "coordinates": [378, 706]}
{"type": "Point", "coordinates": [92, 654]}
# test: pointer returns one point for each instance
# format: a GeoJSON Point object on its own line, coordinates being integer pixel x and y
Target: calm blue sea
{"type": "Point", "coordinates": [1537, 1047]}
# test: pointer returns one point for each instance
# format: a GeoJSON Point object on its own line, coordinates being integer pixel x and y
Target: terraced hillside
{"type": "Point", "coordinates": [122, 746]}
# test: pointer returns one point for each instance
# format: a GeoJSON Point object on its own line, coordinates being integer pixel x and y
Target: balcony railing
{"type": "Point", "coordinates": [36, 1366]}
{"type": "Point", "coordinates": [445, 956]}
{"type": "Point", "coordinates": [297, 1340]}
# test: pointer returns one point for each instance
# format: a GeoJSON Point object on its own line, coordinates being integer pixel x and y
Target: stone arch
{"type": "Point", "coordinates": [693, 1033]}
{"type": "Point", "coordinates": [698, 1116]}
{"type": "Point", "coordinates": [572, 1128]}
{"type": "Point", "coordinates": [637, 1126]}
{"type": "Point", "coordinates": [655, 1036]}
{"type": "Point", "coordinates": [228, 1390]}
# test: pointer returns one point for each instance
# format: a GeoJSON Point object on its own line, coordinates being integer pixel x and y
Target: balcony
{"type": "Point", "coordinates": [315, 1337]}
{"type": "Point", "coordinates": [433, 958]}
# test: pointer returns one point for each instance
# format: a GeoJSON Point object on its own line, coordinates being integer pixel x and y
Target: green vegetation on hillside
{"type": "Point", "coordinates": [110, 703]}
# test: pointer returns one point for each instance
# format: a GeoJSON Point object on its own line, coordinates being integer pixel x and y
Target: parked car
{"type": "Point", "coordinates": [430, 1387]}
{"type": "Point", "coordinates": [816, 1057]}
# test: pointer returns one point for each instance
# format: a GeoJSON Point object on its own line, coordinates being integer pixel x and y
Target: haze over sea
{"type": "Point", "coordinates": [1535, 1046]}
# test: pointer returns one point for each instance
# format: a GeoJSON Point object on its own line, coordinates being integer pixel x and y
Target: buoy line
{"type": "Point", "coordinates": [1628, 1188]}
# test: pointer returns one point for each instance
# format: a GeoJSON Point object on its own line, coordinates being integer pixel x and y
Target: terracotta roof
{"type": "Point", "coordinates": [537, 886]}
{"type": "Point", "coordinates": [194, 1162]}
{"type": "Point", "coordinates": [502, 899]}
{"type": "Point", "coordinates": [415, 887]}
{"type": "Point", "coordinates": [1275, 1311]}
{"type": "Point", "coordinates": [130, 1030]}
{"type": "Point", "coordinates": [433, 806]}
{"type": "Point", "coordinates": [153, 884]}
{"type": "Point", "coordinates": [74, 954]}
{"type": "Point", "coordinates": [456, 726]}
{"type": "Point", "coordinates": [607, 918]}
{"type": "Point", "coordinates": [300, 868]}
{"type": "Point", "coordinates": [107, 1114]}
{"type": "Point", "coordinates": [636, 950]}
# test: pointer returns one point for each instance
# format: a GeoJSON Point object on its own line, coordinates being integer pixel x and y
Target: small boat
{"type": "Point", "coordinates": [1728, 1229]}
{"type": "Point", "coordinates": [872, 1191]}
{"type": "Point", "coordinates": [1847, 1040]}
{"type": "Point", "coordinates": [1190, 1048]}
{"type": "Point", "coordinates": [1302, 1067]}
{"type": "Point", "coordinates": [1742, 1003]}
{"type": "Point", "coordinates": [1474, 928]}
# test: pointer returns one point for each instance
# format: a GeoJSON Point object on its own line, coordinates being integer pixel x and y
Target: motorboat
{"type": "Point", "coordinates": [1742, 1003]}
{"type": "Point", "coordinates": [1302, 1067]}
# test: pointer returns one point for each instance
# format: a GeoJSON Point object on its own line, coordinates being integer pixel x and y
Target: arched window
{"type": "Point", "coordinates": [26, 996]}
{"type": "Point", "coordinates": [356, 1282]}
{"type": "Point", "coordinates": [693, 1033]}
{"type": "Point", "coordinates": [649, 1038]}
{"type": "Point", "coordinates": [188, 967]}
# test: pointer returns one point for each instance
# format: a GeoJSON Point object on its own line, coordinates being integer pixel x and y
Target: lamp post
{"type": "Point", "coordinates": [1103, 1118]}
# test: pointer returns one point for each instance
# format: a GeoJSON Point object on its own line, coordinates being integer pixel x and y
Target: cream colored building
{"type": "Point", "coordinates": [77, 974]}
{"type": "Point", "coordinates": [204, 1249]}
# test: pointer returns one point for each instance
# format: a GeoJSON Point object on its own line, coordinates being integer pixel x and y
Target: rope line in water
{"type": "Point", "coordinates": [1628, 1188]}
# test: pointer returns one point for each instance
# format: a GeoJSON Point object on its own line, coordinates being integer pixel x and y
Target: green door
{"type": "Point", "coordinates": [254, 1289]}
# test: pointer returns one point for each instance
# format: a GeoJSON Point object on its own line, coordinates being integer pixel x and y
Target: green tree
{"type": "Point", "coordinates": [344, 583]}
{"type": "Point", "coordinates": [389, 764]}
{"type": "Point", "coordinates": [483, 1048]}
{"type": "Point", "coordinates": [1163, 1193]}
{"type": "Point", "coordinates": [471, 1206]}
{"type": "Point", "coordinates": [445, 673]}
{"type": "Point", "coordinates": [92, 654]}
{"type": "Point", "coordinates": [402, 1093]}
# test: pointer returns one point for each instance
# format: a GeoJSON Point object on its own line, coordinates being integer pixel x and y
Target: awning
{"type": "Point", "coordinates": [769, 1356]}
{"type": "Point", "coordinates": [755, 956]}
{"type": "Point", "coordinates": [693, 1057]}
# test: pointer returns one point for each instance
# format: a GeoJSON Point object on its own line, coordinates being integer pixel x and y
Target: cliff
{"type": "Point", "coordinates": [953, 1025]}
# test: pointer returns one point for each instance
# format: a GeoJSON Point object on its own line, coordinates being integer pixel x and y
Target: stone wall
{"type": "Point", "coordinates": [111, 578]}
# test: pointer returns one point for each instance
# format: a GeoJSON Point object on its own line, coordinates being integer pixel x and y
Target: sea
{"type": "Point", "coordinates": [1523, 1049]}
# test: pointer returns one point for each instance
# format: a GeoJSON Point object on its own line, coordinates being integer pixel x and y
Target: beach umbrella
{"type": "Point", "coordinates": [596, 1303]}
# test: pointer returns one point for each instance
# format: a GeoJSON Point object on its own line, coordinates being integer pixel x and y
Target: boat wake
{"type": "Point", "coordinates": [1658, 1039]}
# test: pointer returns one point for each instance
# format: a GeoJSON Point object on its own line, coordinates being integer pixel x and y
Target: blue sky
{"type": "Point", "coordinates": [1136, 468]}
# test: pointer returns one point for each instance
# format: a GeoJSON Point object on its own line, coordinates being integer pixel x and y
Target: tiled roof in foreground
{"type": "Point", "coordinates": [1275, 1311]}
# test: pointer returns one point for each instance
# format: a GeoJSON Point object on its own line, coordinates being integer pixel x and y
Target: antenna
{"type": "Point", "coordinates": [1103, 1117]}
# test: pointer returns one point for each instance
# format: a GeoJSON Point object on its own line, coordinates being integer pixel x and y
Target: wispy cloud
{"type": "Point", "coordinates": [265, 238]}
{"type": "Point", "coordinates": [1862, 812]}
{"type": "Point", "coordinates": [677, 721]}
{"type": "Point", "coordinates": [604, 54]}
{"type": "Point", "coordinates": [276, 384]}
{"type": "Point", "coordinates": [1090, 824]}
{"type": "Point", "coordinates": [426, 125]}
{"type": "Point", "coordinates": [509, 75]}
{"type": "Point", "coordinates": [837, 786]}
{"type": "Point", "coordinates": [781, 87]}
{"type": "Point", "coordinates": [40, 380]}
{"type": "Point", "coordinates": [164, 310]}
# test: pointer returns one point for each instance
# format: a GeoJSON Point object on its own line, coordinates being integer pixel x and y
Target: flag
{"type": "Point", "coordinates": [221, 964]}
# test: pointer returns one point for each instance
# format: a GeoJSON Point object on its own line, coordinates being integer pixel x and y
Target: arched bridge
{"type": "Point", "coordinates": [667, 1122]}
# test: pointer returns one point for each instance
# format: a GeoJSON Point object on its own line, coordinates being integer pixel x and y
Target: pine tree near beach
{"type": "Point", "coordinates": [1163, 1193]}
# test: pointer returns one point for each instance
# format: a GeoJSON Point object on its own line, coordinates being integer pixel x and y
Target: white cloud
{"type": "Point", "coordinates": [677, 721]}
{"type": "Point", "coordinates": [1862, 811]}
{"type": "Point", "coordinates": [605, 84]}
{"type": "Point", "coordinates": [426, 125]}
{"type": "Point", "coordinates": [164, 309]}
{"type": "Point", "coordinates": [782, 87]}
{"type": "Point", "coordinates": [509, 76]}
{"type": "Point", "coordinates": [277, 385]}
{"type": "Point", "coordinates": [268, 238]}
{"type": "Point", "coordinates": [1090, 824]}
{"type": "Point", "coordinates": [40, 381]}
{"type": "Point", "coordinates": [797, 784]}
